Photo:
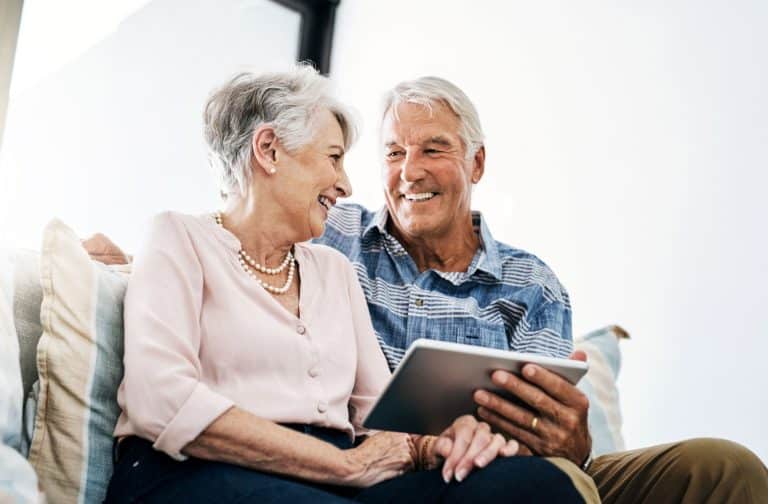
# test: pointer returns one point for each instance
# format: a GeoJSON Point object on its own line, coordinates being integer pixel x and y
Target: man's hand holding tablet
{"type": "Point", "coordinates": [559, 425]}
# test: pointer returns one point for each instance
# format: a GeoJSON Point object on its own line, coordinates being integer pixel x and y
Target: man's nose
{"type": "Point", "coordinates": [411, 169]}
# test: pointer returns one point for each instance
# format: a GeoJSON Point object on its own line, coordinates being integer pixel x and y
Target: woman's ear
{"type": "Point", "coordinates": [264, 144]}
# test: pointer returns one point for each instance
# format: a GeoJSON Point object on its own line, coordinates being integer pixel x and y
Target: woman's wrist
{"type": "Point", "coordinates": [424, 451]}
{"type": "Point", "coordinates": [350, 469]}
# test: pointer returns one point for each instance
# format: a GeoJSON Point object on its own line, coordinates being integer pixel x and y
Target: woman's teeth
{"type": "Point", "coordinates": [420, 196]}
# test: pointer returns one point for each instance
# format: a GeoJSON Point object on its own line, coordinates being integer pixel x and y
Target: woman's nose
{"type": "Point", "coordinates": [343, 186]}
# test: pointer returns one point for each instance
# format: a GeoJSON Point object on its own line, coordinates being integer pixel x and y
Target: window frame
{"type": "Point", "coordinates": [10, 23]}
{"type": "Point", "coordinates": [318, 18]}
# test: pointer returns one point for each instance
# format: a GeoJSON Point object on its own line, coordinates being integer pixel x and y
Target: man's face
{"type": "Point", "coordinates": [427, 178]}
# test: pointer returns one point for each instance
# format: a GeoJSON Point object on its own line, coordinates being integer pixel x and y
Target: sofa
{"type": "Point", "coordinates": [63, 310]}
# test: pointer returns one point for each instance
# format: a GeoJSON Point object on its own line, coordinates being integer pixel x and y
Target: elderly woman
{"type": "Point", "coordinates": [250, 359]}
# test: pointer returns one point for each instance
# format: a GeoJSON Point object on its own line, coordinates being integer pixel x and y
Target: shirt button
{"type": "Point", "coordinates": [313, 372]}
{"type": "Point", "coordinates": [301, 329]}
{"type": "Point", "coordinates": [322, 406]}
{"type": "Point", "coordinates": [419, 302]}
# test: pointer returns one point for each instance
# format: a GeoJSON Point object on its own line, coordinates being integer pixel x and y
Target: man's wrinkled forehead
{"type": "Point", "coordinates": [440, 140]}
{"type": "Point", "coordinates": [416, 123]}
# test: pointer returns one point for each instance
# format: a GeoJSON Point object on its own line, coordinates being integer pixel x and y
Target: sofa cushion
{"type": "Point", "coordinates": [599, 384]}
{"type": "Point", "coordinates": [20, 281]}
{"type": "Point", "coordinates": [18, 482]}
{"type": "Point", "coordinates": [79, 359]}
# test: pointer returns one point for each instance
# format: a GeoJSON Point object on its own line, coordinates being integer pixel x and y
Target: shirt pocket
{"type": "Point", "coordinates": [470, 331]}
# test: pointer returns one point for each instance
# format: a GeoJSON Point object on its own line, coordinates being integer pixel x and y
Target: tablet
{"type": "Point", "coordinates": [434, 384]}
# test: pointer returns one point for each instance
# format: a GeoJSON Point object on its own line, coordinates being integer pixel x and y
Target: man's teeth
{"type": "Point", "coordinates": [325, 202]}
{"type": "Point", "coordinates": [420, 196]}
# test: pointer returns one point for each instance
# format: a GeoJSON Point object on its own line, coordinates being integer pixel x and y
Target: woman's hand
{"type": "Point", "coordinates": [380, 457]}
{"type": "Point", "coordinates": [467, 444]}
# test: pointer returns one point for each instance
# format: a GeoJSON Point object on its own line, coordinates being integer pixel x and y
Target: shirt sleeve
{"type": "Point", "coordinates": [545, 330]}
{"type": "Point", "coordinates": [372, 373]}
{"type": "Point", "coordinates": [164, 398]}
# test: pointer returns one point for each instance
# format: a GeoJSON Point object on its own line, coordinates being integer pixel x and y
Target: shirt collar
{"type": "Point", "coordinates": [487, 257]}
{"type": "Point", "coordinates": [378, 222]}
{"type": "Point", "coordinates": [491, 262]}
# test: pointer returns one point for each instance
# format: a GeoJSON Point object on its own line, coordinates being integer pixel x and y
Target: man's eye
{"type": "Point", "coordinates": [394, 154]}
{"type": "Point", "coordinates": [432, 151]}
{"type": "Point", "coordinates": [335, 157]}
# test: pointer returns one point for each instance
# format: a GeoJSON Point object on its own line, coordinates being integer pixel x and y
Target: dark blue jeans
{"type": "Point", "coordinates": [143, 474]}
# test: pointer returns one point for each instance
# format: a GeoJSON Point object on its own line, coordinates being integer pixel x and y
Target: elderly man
{"type": "Point", "coordinates": [430, 267]}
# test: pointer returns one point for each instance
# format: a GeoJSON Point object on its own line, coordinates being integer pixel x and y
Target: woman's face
{"type": "Point", "coordinates": [313, 177]}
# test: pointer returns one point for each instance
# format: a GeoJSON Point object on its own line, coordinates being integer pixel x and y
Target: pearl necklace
{"type": "Point", "coordinates": [249, 265]}
{"type": "Point", "coordinates": [264, 269]}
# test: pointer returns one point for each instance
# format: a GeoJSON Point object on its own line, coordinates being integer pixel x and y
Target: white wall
{"type": "Point", "coordinates": [628, 147]}
{"type": "Point", "coordinates": [57, 33]}
{"type": "Point", "coordinates": [105, 129]}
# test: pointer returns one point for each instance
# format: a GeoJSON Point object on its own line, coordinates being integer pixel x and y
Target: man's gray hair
{"type": "Point", "coordinates": [427, 91]}
{"type": "Point", "coordinates": [288, 101]}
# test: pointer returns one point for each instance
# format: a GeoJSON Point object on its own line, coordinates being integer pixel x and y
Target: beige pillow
{"type": "Point", "coordinates": [79, 360]}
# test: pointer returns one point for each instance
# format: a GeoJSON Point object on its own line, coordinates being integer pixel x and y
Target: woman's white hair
{"type": "Point", "coordinates": [427, 91]}
{"type": "Point", "coordinates": [288, 101]}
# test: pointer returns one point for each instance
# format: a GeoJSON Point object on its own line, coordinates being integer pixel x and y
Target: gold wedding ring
{"type": "Point", "coordinates": [534, 423]}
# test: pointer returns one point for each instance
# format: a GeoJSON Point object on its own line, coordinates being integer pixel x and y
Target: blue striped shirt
{"type": "Point", "coordinates": [507, 298]}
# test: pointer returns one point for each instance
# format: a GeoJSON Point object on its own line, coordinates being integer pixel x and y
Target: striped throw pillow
{"type": "Point", "coordinates": [79, 361]}
{"type": "Point", "coordinates": [599, 384]}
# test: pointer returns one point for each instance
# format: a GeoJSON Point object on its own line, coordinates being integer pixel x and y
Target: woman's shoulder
{"type": "Point", "coordinates": [171, 228]}
{"type": "Point", "coordinates": [172, 220]}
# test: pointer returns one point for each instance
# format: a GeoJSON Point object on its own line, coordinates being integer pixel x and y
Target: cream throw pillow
{"type": "Point", "coordinates": [79, 360]}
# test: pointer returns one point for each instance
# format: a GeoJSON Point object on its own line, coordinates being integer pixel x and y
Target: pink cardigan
{"type": "Point", "coordinates": [202, 336]}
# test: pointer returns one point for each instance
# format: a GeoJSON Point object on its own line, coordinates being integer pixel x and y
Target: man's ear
{"type": "Point", "coordinates": [264, 144]}
{"type": "Point", "coordinates": [478, 165]}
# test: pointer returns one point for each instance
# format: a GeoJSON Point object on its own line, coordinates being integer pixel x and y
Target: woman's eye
{"type": "Point", "coordinates": [393, 154]}
{"type": "Point", "coordinates": [432, 151]}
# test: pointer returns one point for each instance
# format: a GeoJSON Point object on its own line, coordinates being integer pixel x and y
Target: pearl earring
{"type": "Point", "coordinates": [272, 171]}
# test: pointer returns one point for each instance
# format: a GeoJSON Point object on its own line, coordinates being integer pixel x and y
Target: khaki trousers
{"type": "Point", "coordinates": [697, 470]}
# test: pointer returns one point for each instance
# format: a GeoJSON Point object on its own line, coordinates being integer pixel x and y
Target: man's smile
{"type": "Point", "coordinates": [419, 197]}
